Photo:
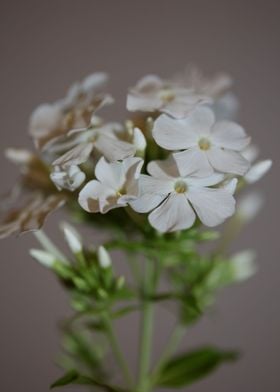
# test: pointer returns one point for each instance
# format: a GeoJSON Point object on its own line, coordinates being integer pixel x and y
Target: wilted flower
{"type": "Point", "coordinates": [84, 98]}
{"type": "Point", "coordinates": [208, 146]}
{"type": "Point", "coordinates": [174, 197]}
{"type": "Point", "coordinates": [31, 216]}
{"type": "Point", "coordinates": [154, 94]}
{"type": "Point", "coordinates": [68, 177]}
{"type": "Point", "coordinates": [115, 186]}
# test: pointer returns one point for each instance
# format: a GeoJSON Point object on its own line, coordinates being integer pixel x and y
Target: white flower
{"type": "Point", "coordinates": [154, 94]}
{"type": "Point", "coordinates": [104, 258]}
{"type": "Point", "coordinates": [175, 198]}
{"type": "Point", "coordinates": [115, 186]}
{"type": "Point", "coordinates": [208, 146]}
{"type": "Point", "coordinates": [67, 177]}
{"type": "Point", "coordinates": [72, 238]}
{"type": "Point", "coordinates": [258, 169]}
{"type": "Point", "coordinates": [82, 142]}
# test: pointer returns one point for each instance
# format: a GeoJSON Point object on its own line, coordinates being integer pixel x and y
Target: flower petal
{"type": "Point", "coordinates": [257, 171]}
{"type": "Point", "coordinates": [152, 185]}
{"type": "Point", "coordinates": [90, 195]}
{"type": "Point", "coordinates": [227, 161]}
{"type": "Point", "coordinates": [174, 134]}
{"type": "Point", "coordinates": [110, 174]}
{"type": "Point", "coordinates": [173, 214]}
{"type": "Point", "coordinates": [212, 206]}
{"type": "Point", "coordinates": [75, 156]}
{"type": "Point", "coordinates": [213, 179]}
{"type": "Point", "coordinates": [114, 149]}
{"type": "Point", "coordinates": [147, 202]}
{"type": "Point", "coordinates": [163, 169]}
{"type": "Point", "coordinates": [229, 135]}
{"type": "Point", "coordinates": [193, 161]}
{"type": "Point", "coordinates": [183, 105]}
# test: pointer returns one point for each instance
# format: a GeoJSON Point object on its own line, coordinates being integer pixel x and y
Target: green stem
{"type": "Point", "coordinates": [172, 345]}
{"type": "Point", "coordinates": [116, 350]}
{"type": "Point", "coordinates": [145, 342]}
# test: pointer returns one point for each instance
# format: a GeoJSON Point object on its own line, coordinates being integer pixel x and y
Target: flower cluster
{"type": "Point", "coordinates": [178, 158]}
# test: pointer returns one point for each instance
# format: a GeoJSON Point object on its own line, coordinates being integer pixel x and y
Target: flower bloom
{"type": "Point", "coordinates": [115, 186]}
{"type": "Point", "coordinates": [154, 94]}
{"type": "Point", "coordinates": [175, 198]}
{"type": "Point", "coordinates": [208, 146]}
{"type": "Point", "coordinates": [70, 177]}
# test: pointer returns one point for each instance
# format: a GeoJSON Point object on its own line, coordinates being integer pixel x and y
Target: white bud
{"type": "Point", "coordinates": [18, 155]}
{"type": "Point", "coordinates": [249, 206]}
{"type": "Point", "coordinates": [139, 140]}
{"type": "Point", "coordinates": [257, 171]}
{"type": "Point", "coordinates": [244, 264]}
{"type": "Point", "coordinates": [43, 257]}
{"type": "Point", "coordinates": [104, 258]}
{"type": "Point", "coordinates": [72, 238]}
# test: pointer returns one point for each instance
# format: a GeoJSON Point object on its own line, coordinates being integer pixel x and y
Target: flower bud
{"type": "Point", "coordinates": [104, 258]}
{"type": "Point", "coordinates": [43, 257]}
{"type": "Point", "coordinates": [72, 238]}
{"type": "Point", "coordinates": [244, 264]}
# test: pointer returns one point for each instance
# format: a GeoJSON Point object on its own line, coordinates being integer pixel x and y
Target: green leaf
{"type": "Point", "coordinates": [192, 366]}
{"type": "Point", "coordinates": [69, 378]}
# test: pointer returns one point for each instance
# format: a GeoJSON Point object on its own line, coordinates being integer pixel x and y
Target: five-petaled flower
{"type": "Point", "coordinates": [115, 186]}
{"type": "Point", "coordinates": [152, 94]}
{"type": "Point", "coordinates": [208, 146]}
{"type": "Point", "coordinates": [175, 197]}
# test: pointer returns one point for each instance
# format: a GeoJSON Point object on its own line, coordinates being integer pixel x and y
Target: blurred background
{"type": "Point", "coordinates": [45, 46]}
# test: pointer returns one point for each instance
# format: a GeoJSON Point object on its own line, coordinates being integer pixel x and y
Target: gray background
{"type": "Point", "coordinates": [44, 46]}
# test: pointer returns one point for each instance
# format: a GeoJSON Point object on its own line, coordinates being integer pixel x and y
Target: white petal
{"type": "Point", "coordinates": [163, 169]}
{"type": "Point", "coordinates": [249, 206]}
{"type": "Point", "coordinates": [148, 83]}
{"type": "Point", "coordinates": [95, 81]}
{"type": "Point", "coordinates": [174, 134]}
{"type": "Point", "coordinates": [243, 264]}
{"type": "Point", "coordinates": [229, 135]}
{"type": "Point", "coordinates": [45, 117]}
{"type": "Point", "coordinates": [230, 185]}
{"type": "Point", "coordinates": [43, 257]}
{"type": "Point", "coordinates": [110, 174]}
{"type": "Point", "coordinates": [91, 195]}
{"type": "Point", "coordinates": [104, 258]}
{"type": "Point", "coordinates": [142, 103]}
{"type": "Point", "coordinates": [250, 153]}
{"type": "Point", "coordinates": [114, 149]}
{"type": "Point", "coordinates": [213, 179]}
{"type": "Point", "coordinates": [212, 206]}
{"type": "Point", "coordinates": [152, 185]}
{"type": "Point", "coordinates": [193, 161]}
{"type": "Point", "coordinates": [132, 169]}
{"type": "Point", "coordinates": [173, 214]}
{"type": "Point", "coordinates": [72, 237]}
{"type": "Point", "coordinates": [257, 171]}
{"type": "Point", "coordinates": [75, 156]}
{"type": "Point", "coordinates": [182, 106]}
{"type": "Point", "coordinates": [147, 202]}
{"type": "Point", "coordinates": [227, 161]}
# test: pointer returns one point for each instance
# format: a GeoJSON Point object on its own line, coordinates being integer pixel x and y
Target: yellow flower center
{"type": "Point", "coordinates": [204, 144]}
{"type": "Point", "coordinates": [180, 187]}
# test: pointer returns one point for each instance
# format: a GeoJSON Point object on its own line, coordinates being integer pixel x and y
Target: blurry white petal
{"type": "Point", "coordinates": [181, 106]}
{"type": "Point", "coordinates": [75, 156]}
{"type": "Point", "coordinates": [19, 155]}
{"type": "Point", "coordinates": [95, 81]}
{"type": "Point", "coordinates": [139, 140]}
{"type": "Point", "coordinates": [114, 149]}
{"type": "Point", "coordinates": [257, 171]}
{"type": "Point", "coordinates": [249, 206]}
{"type": "Point", "coordinates": [110, 174]}
{"type": "Point", "coordinates": [227, 161]}
{"type": "Point", "coordinates": [175, 213]}
{"type": "Point", "coordinates": [104, 258]}
{"type": "Point", "coordinates": [244, 265]}
{"type": "Point", "coordinates": [212, 206]}
{"type": "Point", "coordinates": [229, 135]}
{"type": "Point", "coordinates": [142, 103]}
{"type": "Point", "coordinates": [230, 185]}
{"type": "Point", "coordinates": [45, 118]}
{"type": "Point", "coordinates": [69, 177]}
{"type": "Point", "coordinates": [250, 153]}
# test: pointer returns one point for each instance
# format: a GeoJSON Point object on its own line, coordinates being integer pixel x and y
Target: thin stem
{"type": "Point", "coordinates": [172, 345]}
{"type": "Point", "coordinates": [116, 350]}
{"type": "Point", "coordinates": [145, 342]}
{"type": "Point", "coordinates": [48, 245]}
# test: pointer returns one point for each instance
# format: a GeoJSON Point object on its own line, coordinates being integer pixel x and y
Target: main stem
{"type": "Point", "coordinates": [146, 329]}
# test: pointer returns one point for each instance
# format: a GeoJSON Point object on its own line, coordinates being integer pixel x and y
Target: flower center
{"type": "Point", "coordinates": [204, 144]}
{"type": "Point", "coordinates": [180, 186]}
{"type": "Point", "coordinates": [167, 95]}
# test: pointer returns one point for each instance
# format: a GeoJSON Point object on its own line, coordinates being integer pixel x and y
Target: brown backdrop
{"type": "Point", "coordinates": [45, 45]}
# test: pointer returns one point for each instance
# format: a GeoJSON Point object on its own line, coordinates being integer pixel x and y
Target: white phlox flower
{"type": "Point", "coordinates": [208, 145]}
{"type": "Point", "coordinates": [258, 169]}
{"type": "Point", "coordinates": [151, 94]}
{"type": "Point", "coordinates": [115, 186]}
{"type": "Point", "coordinates": [175, 198]}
